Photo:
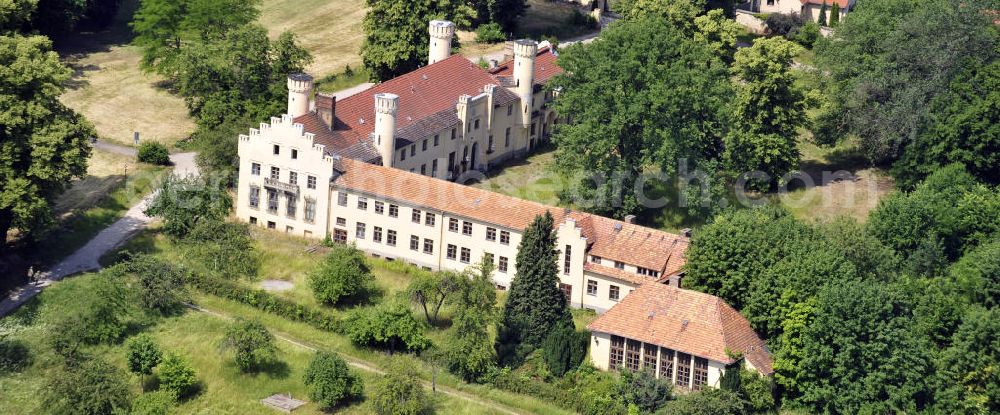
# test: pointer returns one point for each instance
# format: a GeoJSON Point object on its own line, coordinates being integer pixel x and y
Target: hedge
{"type": "Point", "coordinates": [267, 302]}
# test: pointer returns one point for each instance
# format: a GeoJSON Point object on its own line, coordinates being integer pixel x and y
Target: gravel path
{"type": "Point", "coordinates": [85, 258]}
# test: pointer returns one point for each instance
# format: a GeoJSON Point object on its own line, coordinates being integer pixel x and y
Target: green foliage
{"type": "Point", "coordinates": [389, 326]}
{"type": "Point", "coordinates": [469, 351]}
{"type": "Point", "coordinates": [265, 301]}
{"type": "Point", "coordinates": [968, 376]}
{"type": "Point", "coordinates": [822, 15]}
{"type": "Point", "coordinates": [15, 356]}
{"type": "Point", "coordinates": [57, 18]}
{"type": "Point", "coordinates": [177, 376]}
{"type": "Point", "coordinates": [13, 14]}
{"type": "Point", "coordinates": [490, 33]}
{"type": "Point", "coordinates": [890, 61]}
{"type": "Point", "coordinates": [399, 392]}
{"type": "Point", "coordinates": [978, 275]}
{"type": "Point", "coordinates": [160, 285]}
{"type": "Point", "coordinates": [720, 32]}
{"type": "Point", "coordinates": [342, 277]}
{"type": "Point", "coordinates": [679, 14]}
{"type": "Point", "coordinates": [396, 36]}
{"type": "Point", "coordinates": [860, 353]}
{"type": "Point", "coordinates": [153, 152]}
{"type": "Point", "coordinates": [44, 142]}
{"type": "Point", "coordinates": [331, 383]}
{"type": "Point", "coordinates": [159, 402]}
{"type": "Point", "coordinates": [834, 14]}
{"type": "Point", "coordinates": [784, 24]}
{"type": "Point", "coordinates": [142, 355]}
{"type": "Point", "coordinates": [431, 290]}
{"type": "Point", "coordinates": [505, 13]}
{"type": "Point", "coordinates": [643, 93]}
{"type": "Point", "coordinates": [105, 319]}
{"type": "Point", "coordinates": [94, 387]}
{"type": "Point", "coordinates": [564, 349]}
{"type": "Point", "coordinates": [184, 201]}
{"type": "Point", "coordinates": [252, 345]}
{"type": "Point", "coordinates": [535, 305]}
{"type": "Point", "coordinates": [757, 391]}
{"type": "Point", "coordinates": [708, 401]}
{"type": "Point", "coordinates": [226, 249]}
{"type": "Point", "coordinates": [806, 35]}
{"type": "Point", "coordinates": [644, 390]}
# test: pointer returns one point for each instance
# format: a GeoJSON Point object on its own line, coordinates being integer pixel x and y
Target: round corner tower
{"type": "Point", "coordinates": [300, 87]}
{"type": "Point", "coordinates": [386, 105]}
{"type": "Point", "coordinates": [442, 32]}
{"type": "Point", "coordinates": [524, 76]}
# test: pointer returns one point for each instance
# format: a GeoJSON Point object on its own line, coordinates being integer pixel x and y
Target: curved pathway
{"type": "Point", "coordinates": [85, 258]}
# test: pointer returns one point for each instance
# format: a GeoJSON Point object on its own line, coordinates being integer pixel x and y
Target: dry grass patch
{"type": "Point", "coordinates": [329, 29]}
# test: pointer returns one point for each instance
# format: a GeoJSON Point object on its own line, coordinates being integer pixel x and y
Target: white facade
{"type": "Point", "coordinates": [681, 369]}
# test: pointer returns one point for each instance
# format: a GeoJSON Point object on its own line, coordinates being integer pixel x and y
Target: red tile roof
{"type": "Point", "coordinates": [688, 321]}
{"type": "Point", "coordinates": [617, 273]}
{"type": "Point", "coordinates": [844, 4]}
{"type": "Point", "coordinates": [545, 66]}
{"type": "Point", "coordinates": [633, 244]}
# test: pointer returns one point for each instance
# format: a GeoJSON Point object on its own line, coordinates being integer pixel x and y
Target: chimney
{"type": "Point", "coordinates": [524, 76]}
{"type": "Point", "coordinates": [630, 219]}
{"type": "Point", "coordinates": [386, 105]}
{"type": "Point", "coordinates": [300, 87]}
{"type": "Point", "coordinates": [441, 31]}
{"type": "Point", "coordinates": [326, 108]}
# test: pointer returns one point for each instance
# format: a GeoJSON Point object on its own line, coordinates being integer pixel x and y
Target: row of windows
{"type": "Point", "coordinates": [424, 145]}
{"type": "Point", "coordinates": [291, 203]}
{"type": "Point", "coordinates": [614, 291]}
{"type": "Point", "coordinates": [633, 355]}
{"type": "Point", "coordinates": [464, 255]}
{"type": "Point", "coordinates": [293, 177]}
{"type": "Point", "coordinates": [621, 265]}
{"type": "Point", "coordinates": [276, 150]}
{"type": "Point", "coordinates": [412, 149]}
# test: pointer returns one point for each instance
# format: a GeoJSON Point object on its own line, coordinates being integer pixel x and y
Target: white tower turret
{"type": "Point", "coordinates": [386, 105]}
{"type": "Point", "coordinates": [300, 87]}
{"type": "Point", "coordinates": [442, 31]}
{"type": "Point", "coordinates": [524, 76]}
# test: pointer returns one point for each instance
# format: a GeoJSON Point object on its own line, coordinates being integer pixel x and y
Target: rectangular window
{"type": "Point", "coordinates": [311, 182]}
{"type": "Point", "coordinates": [430, 219]}
{"type": "Point", "coordinates": [614, 292]}
{"type": "Point", "coordinates": [360, 231]}
{"type": "Point", "coordinates": [362, 203]}
{"type": "Point", "coordinates": [591, 287]}
{"type": "Point", "coordinates": [413, 150]}
{"type": "Point", "coordinates": [567, 259]}
{"type": "Point", "coordinates": [476, 124]}
{"type": "Point", "coordinates": [466, 256]}
{"type": "Point", "coordinates": [700, 373]}
{"type": "Point", "coordinates": [466, 228]}
{"type": "Point", "coordinates": [341, 222]}
{"type": "Point", "coordinates": [275, 173]}
{"type": "Point", "coordinates": [490, 257]}
{"type": "Point", "coordinates": [276, 149]}
{"type": "Point", "coordinates": [402, 154]}
{"type": "Point", "coordinates": [423, 147]}
{"type": "Point", "coordinates": [617, 355]}
{"type": "Point", "coordinates": [423, 169]}
{"type": "Point", "coordinates": [415, 216]}
{"type": "Point", "coordinates": [428, 246]}
{"type": "Point", "coordinates": [452, 133]}
{"type": "Point", "coordinates": [255, 197]}
{"type": "Point", "coordinates": [289, 229]}
{"type": "Point", "coordinates": [295, 154]}
{"type": "Point", "coordinates": [377, 234]}
{"type": "Point", "coordinates": [253, 220]}
{"type": "Point", "coordinates": [255, 169]}
{"type": "Point", "coordinates": [502, 265]}
{"type": "Point", "coordinates": [510, 109]}
{"type": "Point", "coordinates": [595, 259]}
{"type": "Point", "coordinates": [271, 225]}
{"type": "Point", "coordinates": [393, 211]}
{"type": "Point", "coordinates": [293, 178]}
{"type": "Point", "coordinates": [437, 140]}
{"type": "Point", "coordinates": [453, 225]}
{"type": "Point", "coordinates": [290, 205]}
{"type": "Point", "coordinates": [434, 168]}
{"type": "Point", "coordinates": [532, 128]}
{"type": "Point", "coordinates": [649, 357]}
{"type": "Point", "coordinates": [340, 236]}
{"type": "Point", "coordinates": [666, 364]}
{"type": "Point", "coordinates": [390, 237]}
{"type": "Point", "coordinates": [490, 145]}
{"type": "Point", "coordinates": [342, 198]}
{"type": "Point", "coordinates": [567, 291]}
{"type": "Point", "coordinates": [506, 138]}
{"type": "Point", "coordinates": [414, 242]}
{"type": "Point", "coordinates": [272, 201]}
{"type": "Point", "coordinates": [505, 237]}
{"type": "Point", "coordinates": [491, 234]}
{"type": "Point", "coordinates": [379, 207]}
{"type": "Point", "coordinates": [632, 348]}
{"type": "Point", "coordinates": [452, 251]}
{"type": "Point", "coordinates": [619, 265]}
{"type": "Point", "coordinates": [683, 370]}
{"type": "Point", "coordinates": [310, 210]}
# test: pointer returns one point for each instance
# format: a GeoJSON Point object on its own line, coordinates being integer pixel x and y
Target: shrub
{"type": "Point", "coordinates": [805, 35]}
{"type": "Point", "coordinates": [707, 401]}
{"type": "Point", "coordinates": [490, 33]}
{"type": "Point", "coordinates": [644, 390]}
{"type": "Point", "coordinates": [580, 19]}
{"type": "Point", "coordinates": [388, 326]}
{"type": "Point", "coordinates": [224, 248]}
{"type": "Point", "coordinates": [331, 383]}
{"type": "Point", "coordinates": [160, 285]}
{"type": "Point", "coordinates": [781, 24]}
{"type": "Point", "coordinates": [564, 349]}
{"type": "Point", "coordinates": [342, 277]}
{"type": "Point", "coordinates": [182, 202]}
{"type": "Point", "coordinates": [177, 376]}
{"type": "Point", "coordinates": [153, 153]}
{"type": "Point", "coordinates": [399, 392]}
{"type": "Point", "coordinates": [105, 320]}
{"type": "Point", "coordinates": [143, 355]}
{"type": "Point", "coordinates": [93, 387]}
{"type": "Point", "coordinates": [159, 402]}
{"type": "Point", "coordinates": [14, 356]}
{"type": "Point", "coordinates": [251, 343]}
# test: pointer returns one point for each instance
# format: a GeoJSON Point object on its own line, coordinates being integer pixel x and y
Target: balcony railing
{"type": "Point", "coordinates": [282, 186]}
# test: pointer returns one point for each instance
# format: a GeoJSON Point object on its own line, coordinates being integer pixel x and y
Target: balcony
{"type": "Point", "coordinates": [281, 186]}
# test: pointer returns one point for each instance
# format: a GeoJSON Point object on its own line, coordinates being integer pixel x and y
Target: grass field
{"type": "Point", "coordinates": [329, 29]}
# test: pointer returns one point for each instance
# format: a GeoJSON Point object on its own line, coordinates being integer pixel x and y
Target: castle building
{"type": "Point", "coordinates": [376, 169]}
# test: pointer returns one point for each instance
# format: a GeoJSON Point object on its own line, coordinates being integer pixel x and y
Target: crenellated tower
{"type": "Point", "coordinates": [442, 32]}
{"type": "Point", "coordinates": [300, 87]}
{"type": "Point", "coordinates": [386, 106]}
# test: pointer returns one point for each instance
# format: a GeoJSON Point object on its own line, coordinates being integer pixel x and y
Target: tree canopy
{"type": "Point", "coordinates": [396, 36]}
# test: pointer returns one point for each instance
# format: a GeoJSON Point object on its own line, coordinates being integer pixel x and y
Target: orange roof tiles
{"type": "Point", "coordinates": [616, 273]}
{"type": "Point", "coordinates": [688, 321]}
{"type": "Point", "coordinates": [633, 244]}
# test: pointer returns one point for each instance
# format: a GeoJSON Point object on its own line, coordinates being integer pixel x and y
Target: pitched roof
{"type": "Point", "coordinates": [688, 321]}
{"type": "Point", "coordinates": [425, 92]}
{"type": "Point", "coordinates": [844, 4]}
{"type": "Point", "coordinates": [633, 244]}
{"type": "Point", "coordinates": [545, 66]}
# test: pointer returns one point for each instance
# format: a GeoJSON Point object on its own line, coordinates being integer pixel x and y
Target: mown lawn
{"type": "Point", "coordinates": [329, 29]}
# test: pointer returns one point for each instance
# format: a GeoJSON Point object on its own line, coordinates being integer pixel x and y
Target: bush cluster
{"type": "Point", "coordinates": [490, 33]}
{"type": "Point", "coordinates": [153, 153]}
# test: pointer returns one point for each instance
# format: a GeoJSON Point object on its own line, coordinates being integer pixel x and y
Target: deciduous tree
{"type": "Point", "coordinates": [182, 202]}
{"type": "Point", "coordinates": [399, 392]}
{"type": "Point", "coordinates": [968, 377]}
{"type": "Point", "coordinates": [94, 387]}
{"type": "Point", "coordinates": [430, 290]}
{"type": "Point", "coordinates": [469, 352]}
{"type": "Point", "coordinates": [177, 376]}
{"type": "Point", "coordinates": [252, 344]}
{"type": "Point", "coordinates": [331, 383]}
{"type": "Point", "coordinates": [396, 36]}
{"type": "Point", "coordinates": [343, 276]}
{"type": "Point", "coordinates": [143, 355]}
